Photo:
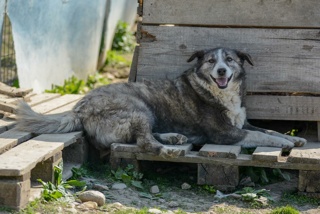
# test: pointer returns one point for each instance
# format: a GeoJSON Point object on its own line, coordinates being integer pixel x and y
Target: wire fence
{"type": "Point", "coordinates": [8, 70]}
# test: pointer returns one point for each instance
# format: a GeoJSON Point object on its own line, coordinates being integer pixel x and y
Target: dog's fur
{"type": "Point", "coordinates": [203, 105]}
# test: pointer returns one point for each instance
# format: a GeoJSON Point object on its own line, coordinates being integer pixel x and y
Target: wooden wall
{"type": "Point", "coordinates": [283, 38]}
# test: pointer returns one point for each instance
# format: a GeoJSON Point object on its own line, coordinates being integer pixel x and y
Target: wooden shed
{"type": "Point", "coordinates": [283, 37]}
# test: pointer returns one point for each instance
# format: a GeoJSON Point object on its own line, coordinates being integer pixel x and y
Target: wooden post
{"type": "Point", "coordinates": [15, 191]}
{"type": "Point", "coordinates": [45, 170]}
{"type": "Point", "coordinates": [224, 178]}
{"type": "Point", "coordinates": [309, 181]}
{"type": "Point", "coordinates": [318, 125]}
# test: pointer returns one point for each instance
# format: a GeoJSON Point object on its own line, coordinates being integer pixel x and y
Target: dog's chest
{"type": "Point", "coordinates": [235, 112]}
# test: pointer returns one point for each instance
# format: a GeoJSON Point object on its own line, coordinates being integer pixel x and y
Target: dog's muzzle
{"type": "Point", "coordinates": [222, 82]}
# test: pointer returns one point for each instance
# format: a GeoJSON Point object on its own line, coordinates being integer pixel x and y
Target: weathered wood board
{"type": "Point", "coordinates": [286, 60]}
{"type": "Point", "coordinates": [309, 153]}
{"type": "Point", "coordinates": [220, 151]}
{"type": "Point", "coordinates": [38, 149]}
{"type": "Point", "coordinates": [304, 108]}
{"type": "Point", "coordinates": [195, 157]}
{"type": "Point", "coordinates": [269, 154]}
{"type": "Point", "coordinates": [250, 13]}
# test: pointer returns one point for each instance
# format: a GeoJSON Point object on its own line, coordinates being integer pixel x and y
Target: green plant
{"type": "Point", "coordinates": [292, 132]}
{"type": "Point", "coordinates": [116, 59]}
{"type": "Point", "coordinates": [295, 198]}
{"type": "Point", "coordinates": [253, 196]}
{"type": "Point", "coordinates": [58, 189]}
{"type": "Point", "coordinates": [285, 210]}
{"type": "Point", "coordinates": [129, 176]}
{"type": "Point", "coordinates": [78, 173]}
{"type": "Point", "coordinates": [123, 38]}
{"type": "Point", "coordinates": [73, 85]}
{"type": "Point", "coordinates": [264, 176]}
{"type": "Point", "coordinates": [209, 189]}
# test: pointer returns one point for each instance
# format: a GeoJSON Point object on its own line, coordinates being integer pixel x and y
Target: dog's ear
{"type": "Point", "coordinates": [197, 54]}
{"type": "Point", "coordinates": [245, 56]}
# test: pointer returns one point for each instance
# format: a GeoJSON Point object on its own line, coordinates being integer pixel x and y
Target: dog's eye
{"type": "Point", "coordinates": [211, 61]}
{"type": "Point", "coordinates": [229, 59]}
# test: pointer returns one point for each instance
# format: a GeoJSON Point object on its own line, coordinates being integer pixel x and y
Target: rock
{"type": "Point", "coordinates": [154, 211]}
{"type": "Point", "coordinates": [90, 204]}
{"type": "Point", "coordinates": [185, 186]}
{"type": "Point", "coordinates": [119, 186]}
{"type": "Point", "coordinates": [154, 189]}
{"type": "Point", "coordinates": [173, 204]}
{"type": "Point", "coordinates": [161, 200]}
{"type": "Point", "coordinates": [94, 196]}
{"type": "Point", "coordinates": [100, 187]}
{"type": "Point", "coordinates": [71, 210]}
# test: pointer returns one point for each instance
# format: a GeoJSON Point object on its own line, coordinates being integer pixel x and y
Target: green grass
{"type": "Point", "coordinates": [285, 210]}
{"type": "Point", "coordinates": [295, 198]}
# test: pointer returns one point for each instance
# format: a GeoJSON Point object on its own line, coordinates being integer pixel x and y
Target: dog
{"type": "Point", "coordinates": [203, 105]}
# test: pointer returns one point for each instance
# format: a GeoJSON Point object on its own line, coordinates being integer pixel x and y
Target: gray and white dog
{"type": "Point", "coordinates": [203, 105]}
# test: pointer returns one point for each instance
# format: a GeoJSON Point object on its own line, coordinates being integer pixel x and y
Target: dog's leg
{"type": "Point", "coordinates": [298, 141]}
{"type": "Point", "coordinates": [256, 138]}
{"type": "Point", "coordinates": [149, 143]}
{"type": "Point", "coordinates": [171, 138]}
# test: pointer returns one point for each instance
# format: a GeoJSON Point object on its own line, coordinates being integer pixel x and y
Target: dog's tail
{"type": "Point", "coordinates": [31, 121]}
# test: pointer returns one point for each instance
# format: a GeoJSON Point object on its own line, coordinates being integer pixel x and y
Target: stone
{"type": "Point", "coordinates": [92, 195]}
{"type": "Point", "coordinates": [185, 186]}
{"type": "Point", "coordinates": [154, 211]}
{"type": "Point", "coordinates": [90, 204]}
{"type": "Point", "coordinates": [154, 189]}
{"type": "Point", "coordinates": [173, 204]}
{"type": "Point", "coordinates": [100, 187]}
{"type": "Point", "coordinates": [119, 186]}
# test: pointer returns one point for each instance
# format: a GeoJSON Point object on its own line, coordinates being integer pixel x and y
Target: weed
{"type": "Point", "coordinates": [58, 189]}
{"type": "Point", "coordinates": [73, 85]}
{"type": "Point", "coordinates": [209, 189]}
{"type": "Point", "coordinates": [285, 210]}
{"type": "Point", "coordinates": [264, 176]}
{"type": "Point", "coordinates": [294, 198]}
{"type": "Point", "coordinates": [78, 173]}
{"type": "Point", "coordinates": [117, 59]}
{"type": "Point", "coordinates": [129, 176]}
{"type": "Point", "coordinates": [123, 39]}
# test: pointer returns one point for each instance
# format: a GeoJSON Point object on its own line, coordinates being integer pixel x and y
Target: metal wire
{"type": "Point", "coordinates": [8, 70]}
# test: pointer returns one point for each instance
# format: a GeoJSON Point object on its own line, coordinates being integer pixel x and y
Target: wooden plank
{"type": "Point", "coordinates": [38, 149]}
{"type": "Point", "coordinates": [269, 154]}
{"type": "Point", "coordinates": [220, 151]}
{"type": "Point", "coordinates": [133, 148]}
{"type": "Point", "coordinates": [242, 160]}
{"type": "Point", "coordinates": [304, 108]}
{"type": "Point", "coordinates": [6, 124]}
{"type": "Point", "coordinates": [13, 92]}
{"type": "Point", "coordinates": [56, 103]}
{"type": "Point", "coordinates": [133, 68]}
{"type": "Point", "coordinates": [309, 153]}
{"type": "Point", "coordinates": [11, 138]}
{"type": "Point", "coordinates": [286, 60]}
{"type": "Point", "coordinates": [318, 130]}
{"type": "Point", "coordinates": [280, 13]}
{"type": "Point", "coordinates": [41, 98]}
{"type": "Point", "coordinates": [63, 108]}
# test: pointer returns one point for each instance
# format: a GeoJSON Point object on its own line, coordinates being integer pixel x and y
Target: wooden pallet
{"type": "Point", "coordinates": [218, 165]}
{"type": "Point", "coordinates": [25, 157]}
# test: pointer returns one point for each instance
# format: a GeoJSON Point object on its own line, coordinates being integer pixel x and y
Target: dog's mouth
{"type": "Point", "coordinates": [222, 82]}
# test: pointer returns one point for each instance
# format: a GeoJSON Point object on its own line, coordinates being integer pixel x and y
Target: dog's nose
{"type": "Point", "coordinates": [221, 71]}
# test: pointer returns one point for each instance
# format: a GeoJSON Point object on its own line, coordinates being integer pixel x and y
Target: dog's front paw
{"type": "Point", "coordinates": [298, 141]}
{"type": "Point", "coordinates": [167, 152]}
{"type": "Point", "coordinates": [177, 139]}
{"type": "Point", "coordinates": [286, 145]}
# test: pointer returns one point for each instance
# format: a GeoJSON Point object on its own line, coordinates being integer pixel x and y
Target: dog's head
{"type": "Point", "coordinates": [220, 66]}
